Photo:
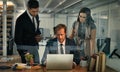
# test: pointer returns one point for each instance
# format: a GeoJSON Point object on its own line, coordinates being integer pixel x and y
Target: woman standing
{"type": "Point", "coordinates": [84, 33]}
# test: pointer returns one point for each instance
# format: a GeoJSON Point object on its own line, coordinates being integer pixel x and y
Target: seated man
{"type": "Point", "coordinates": [59, 45]}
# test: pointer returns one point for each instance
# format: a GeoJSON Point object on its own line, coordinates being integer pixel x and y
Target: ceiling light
{"type": "Point", "coordinates": [10, 3]}
{"type": "Point", "coordinates": [73, 11]}
{"type": "Point", "coordinates": [49, 11]}
{"type": "Point", "coordinates": [66, 11]}
{"type": "Point", "coordinates": [59, 4]}
{"type": "Point", "coordinates": [62, 2]}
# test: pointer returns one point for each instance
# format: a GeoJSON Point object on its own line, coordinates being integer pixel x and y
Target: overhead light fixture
{"type": "Point", "coordinates": [9, 3]}
{"type": "Point", "coordinates": [62, 2]}
{"type": "Point", "coordinates": [68, 6]}
{"type": "Point", "coordinates": [59, 4]}
{"type": "Point", "coordinates": [49, 11]}
{"type": "Point", "coordinates": [73, 11]}
{"type": "Point", "coordinates": [104, 17]}
{"type": "Point", "coordinates": [47, 4]}
{"type": "Point", "coordinates": [66, 11]}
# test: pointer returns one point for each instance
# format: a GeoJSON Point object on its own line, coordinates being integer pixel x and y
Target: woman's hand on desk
{"type": "Point", "coordinates": [74, 65]}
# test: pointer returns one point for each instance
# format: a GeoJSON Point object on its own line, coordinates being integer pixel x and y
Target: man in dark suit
{"type": "Point", "coordinates": [27, 33]}
{"type": "Point", "coordinates": [53, 46]}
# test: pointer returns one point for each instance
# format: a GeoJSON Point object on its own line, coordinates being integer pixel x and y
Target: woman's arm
{"type": "Point", "coordinates": [92, 41]}
{"type": "Point", "coordinates": [72, 34]}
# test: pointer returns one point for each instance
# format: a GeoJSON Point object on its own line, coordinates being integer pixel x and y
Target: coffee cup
{"type": "Point", "coordinates": [83, 63]}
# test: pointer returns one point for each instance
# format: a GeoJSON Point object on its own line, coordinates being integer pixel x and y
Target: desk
{"type": "Point", "coordinates": [43, 69]}
{"type": "Point", "coordinates": [76, 69]}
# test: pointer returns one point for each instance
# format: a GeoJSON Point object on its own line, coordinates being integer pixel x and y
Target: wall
{"type": "Point", "coordinates": [50, 20]}
{"type": "Point", "coordinates": [113, 29]}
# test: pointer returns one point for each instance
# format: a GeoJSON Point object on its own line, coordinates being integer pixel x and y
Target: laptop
{"type": "Point", "coordinates": [59, 61]}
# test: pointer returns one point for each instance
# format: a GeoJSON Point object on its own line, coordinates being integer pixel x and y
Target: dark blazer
{"type": "Point", "coordinates": [25, 30]}
{"type": "Point", "coordinates": [52, 47]}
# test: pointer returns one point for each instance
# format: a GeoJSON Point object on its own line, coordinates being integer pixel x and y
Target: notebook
{"type": "Point", "coordinates": [59, 61]}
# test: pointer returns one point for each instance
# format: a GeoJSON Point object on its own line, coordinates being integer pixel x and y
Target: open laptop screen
{"type": "Point", "coordinates": [59, 61]}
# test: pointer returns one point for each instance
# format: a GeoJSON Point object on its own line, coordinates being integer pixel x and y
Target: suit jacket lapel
{"type": "Point", "coordinates": [30, 21]}
{"type": "Point", "coordinates": [55, 45]}
{"type": "Point", "coordinates": [37, 19]}
{"type": "Point", "coordinates": [66, 46]}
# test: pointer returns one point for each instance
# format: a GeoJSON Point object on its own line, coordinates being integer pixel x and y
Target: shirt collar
{"type": "Point", "coordinates": [29, 14]}
{"type": "Point", "coordinates": [62, 43]}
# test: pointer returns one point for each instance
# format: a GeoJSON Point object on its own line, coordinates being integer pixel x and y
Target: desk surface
{"type": "Point", "coordinates": [43, 69]}
{"type": "Point", "coordinates": [76, 69]}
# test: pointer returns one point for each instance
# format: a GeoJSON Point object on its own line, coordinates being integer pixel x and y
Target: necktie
{"type": "Point", "coordinates": [61, 48]}
{"type": "Point", "coordinates": [34, 22]}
